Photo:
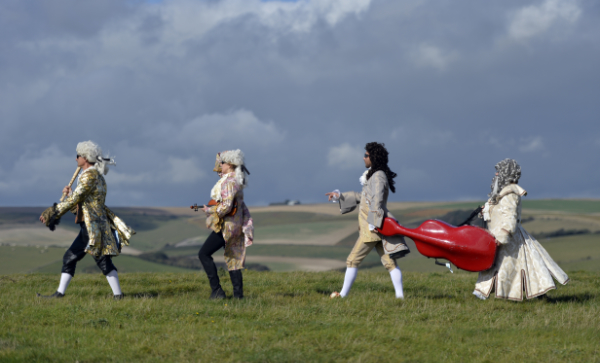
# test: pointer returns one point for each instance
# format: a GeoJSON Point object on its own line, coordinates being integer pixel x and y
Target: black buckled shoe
{"type": "Point", "coordinates": [217, 294]}
{"type": "Point", "coordinates": [56, 295]}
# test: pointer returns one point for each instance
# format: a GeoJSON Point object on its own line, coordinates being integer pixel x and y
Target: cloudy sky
{"type": "Point", "coordinates": [451, 87]}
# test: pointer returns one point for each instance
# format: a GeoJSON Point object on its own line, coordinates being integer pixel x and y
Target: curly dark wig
{"type": "Point", "coordinates": [379, 161]}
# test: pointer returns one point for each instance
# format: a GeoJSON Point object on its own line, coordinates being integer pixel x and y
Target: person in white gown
{"type": "Point", "coordinates": [522, 264]}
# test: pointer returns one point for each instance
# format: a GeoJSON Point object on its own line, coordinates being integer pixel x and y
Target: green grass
{"type": "Point", "coordinates": [167, 232]}
{"type": "Point", "coordinates": [261, 219]}
{"type": "Point", "coordinates": [550, 224]}
{"type": "Point", "coordinates": [571, 206]}
{"type": "Point", "coordinates": [26, 259]}
{"type": "Point", "coordinates": [559, 205]}
{"type": "Point", "coordinates": [575, 252]}
{"type": "Point", "coordinates": [579, 252]}
{"type": "Point", "coordinates": [335, 252]}
{"type": "Point", "coordinates": [33, 259]}
{"type": "Point", "coordinates": [123, 263]}
{"type": "Point", "coordinates": [330, 252]}
{"type": "Point", "coordinates": [281, 266]}
{"type": "Point", "coordinates": [157, 228]}
{"type": "Point", "coordinates": [301, 232]}
{"type": "Point", "coordinates": [288, 317]}
{"type": "Point", "coordinates": [459, 205]}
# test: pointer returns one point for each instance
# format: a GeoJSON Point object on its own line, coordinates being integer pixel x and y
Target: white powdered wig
{"type": "Point", "coordinates": [93, 154]}
{"type": "Point", "coordinates": [236, 158]}
{"type": "Point", "coordinates": [509, 171]}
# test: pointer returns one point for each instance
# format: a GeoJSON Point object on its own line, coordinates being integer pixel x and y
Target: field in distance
{"type": "Point", "coordinates": [287, 238]}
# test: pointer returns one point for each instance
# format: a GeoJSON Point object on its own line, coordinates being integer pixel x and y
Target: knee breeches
{"type": "Point", "coordinates": [77, 251]}
{"type": "Point", "coordinates": [362, 249]}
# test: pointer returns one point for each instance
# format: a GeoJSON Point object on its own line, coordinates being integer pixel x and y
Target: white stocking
{"type": "Point", "coordinates": [348, 280]}
{"type": "Point", "coordinates": [396, 276]}
{"type": "Point", "coordinates": [113, 281]}
{"type": "Point", "coordinates": [64, 282]}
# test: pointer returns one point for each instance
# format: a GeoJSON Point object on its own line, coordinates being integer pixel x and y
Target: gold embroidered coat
{"type": "Point", "coordinates": [522, 264]}
{"type": "Point", "coordinates": [89, 196]}
{"type": "Point", "coordinates": [238, 229]}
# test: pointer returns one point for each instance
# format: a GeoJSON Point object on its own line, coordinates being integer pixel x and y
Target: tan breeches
{"type": "Point", "coordinates": [362, 249]}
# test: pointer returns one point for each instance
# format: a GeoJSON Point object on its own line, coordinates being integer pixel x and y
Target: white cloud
{"type": "Point", "coordinates": [426, 55]}
{"type": "Point", "coordinates": [531, 144]}
{"type": "Point", "coordinates": [165, 86]}
{"type": "Point", "coordinates": [203, 135]}
{"type": "Point", "coordinates": [236, 129]}
{"type": "Point", "coordinates": [41, 169]}
{"type": "Point", "coordinates": [193, 17]}
{"type": "Point", "coordinates": [49, 169]}
{"type": "Point", "coordinates": [525, 144]}
{"type": "Point", "coordinates": [174, 171]}
{"type": "Point", "coordinates": [184, 170]}
{"type": "Point", "coordinates": [533, 20]}
{"type": "Point", "coordinates": [344, 156]}
{"type": "Point", "coordinates": [182, 21]}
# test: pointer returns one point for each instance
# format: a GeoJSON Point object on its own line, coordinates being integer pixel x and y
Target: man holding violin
{"type": "Point", "coordinates": [230, 221]}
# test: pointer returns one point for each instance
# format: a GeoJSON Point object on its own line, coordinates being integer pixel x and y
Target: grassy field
{"type": "Point", "coordinates": [571, 206]}
{"type": "Point", "coordinates": [123, 263]}
{"type": "Point", "coordinates": [26, 259]}
{"type": "Point", "coordinates": [302, 232]}
{"type": "Point", "coordinates": [288, 317]}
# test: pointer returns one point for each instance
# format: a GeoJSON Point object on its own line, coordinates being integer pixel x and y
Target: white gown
{"type": "Point", "coordinates": [522, 264]}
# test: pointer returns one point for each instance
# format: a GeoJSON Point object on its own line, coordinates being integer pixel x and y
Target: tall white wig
{"type": "Point", "coordinates": [236, 158]}
{"type": "Point", "coordinates": [93, 154]}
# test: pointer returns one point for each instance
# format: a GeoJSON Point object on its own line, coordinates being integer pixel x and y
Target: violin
{"type": "Point", "coordinates": [469, 248]}
{"type": "Point", "coordinates": [213, 202]}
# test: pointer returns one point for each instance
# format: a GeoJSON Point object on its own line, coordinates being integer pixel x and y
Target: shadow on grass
{"type": "Point", "coordinates": [6, 278]}
{"type": "Point", "coordinates": [144, 295]}
{"type": "Point", "coordinates": [439, 296]}
{"type": "Point", "coordinates": [291, 294]}
{"type": "Point", "coordinates": [578, 298]}
{"type": "Point", "coordinates": [324, 292]}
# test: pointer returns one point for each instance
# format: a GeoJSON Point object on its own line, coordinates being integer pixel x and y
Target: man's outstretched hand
{"type": "Point", "coordinates": [332, 195]}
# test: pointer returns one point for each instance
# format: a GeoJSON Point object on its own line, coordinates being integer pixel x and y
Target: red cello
{"type": "Point", "coordinates": [468, 248]}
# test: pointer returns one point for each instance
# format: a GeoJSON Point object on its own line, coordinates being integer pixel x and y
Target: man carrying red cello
{"type": "Point", "coordinates": [376, 182]}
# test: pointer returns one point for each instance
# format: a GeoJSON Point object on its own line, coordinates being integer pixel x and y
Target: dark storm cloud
{"type": "Point", "coordinates": [451, 88]}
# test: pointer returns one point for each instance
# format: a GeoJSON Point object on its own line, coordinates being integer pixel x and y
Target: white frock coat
{"type": "Point", "coordinates": [522, 264]}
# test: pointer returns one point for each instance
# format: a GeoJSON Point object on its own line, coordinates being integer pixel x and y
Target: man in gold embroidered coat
{"type": "Point", "coordinates": [102, 233]}
{"type": "Point", "coordinates": [522, 264]}
{"type": "Point", "coordinates": [230, 222]}
{"type": "Point", "coordinates": [372, 203]}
